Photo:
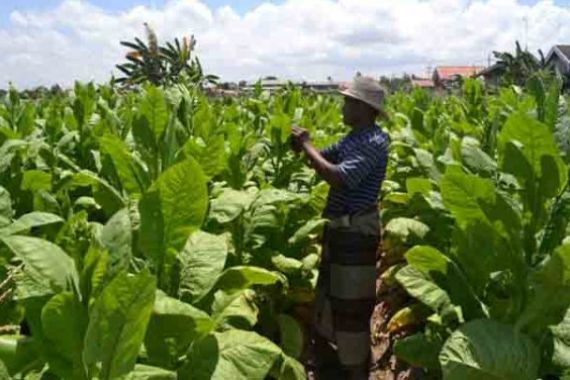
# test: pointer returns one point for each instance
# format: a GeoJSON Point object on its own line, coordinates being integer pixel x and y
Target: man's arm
{"type": "Point", "coordinates": [328, 171]}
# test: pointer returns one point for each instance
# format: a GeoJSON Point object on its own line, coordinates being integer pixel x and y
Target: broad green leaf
{"type": "Point", "coordinates": [64, 322]}
{"type": "Point", "coordinates": [203, 118]}
{"type": "Point", "coordinates": [475, 159]}
{"type": "Point", "coordinates": [5, 207]}
{"type": "Point", "coordinates": [86, 203]}
{"type": "Point", "coordinates": [406, 230]}
{"type": "Point", "coordinates": [273, 196]}
{"type": "Point", "coordinates": [560, 336]}
{"type": "Point", "coordinates": [552, 179]}
{"type": "Point", "coordinates": [242, 277]}
{"type": "Point", "coordinates": [146, 143]}
{"type": "Point", "coordinates": [133, 178]}
{"type": "Point", "coordinates": [397, 198]}
{"type": "Point", "coordinates": [535, 87]}
{"type": "Point", "coordinates": [550, 296]}
{"type": "Point", "coordinates": [210, 154]}
{"type": "Point", "coordinates": [481, 251]}
{"type": "Point", "coordinates": [146, 372]}
{"type": "Point", "coordinates": [173, 326]}
{"type": "Point", "coordinates": [31, 284]}
{"type": "Point", "coordinates": [291, 334]}
{"type": "Point", "coordinates": [236, 309]}
{"type": "Point", "coordinates": [234, 354]}
{"type": "Point", "coordinates": [30, 220]}
{"type": "Point", "coordinates": [419, 350]}
{"type": "Point", "coordinates": [537, 141]}
{"type": "Point", "coordinates": [118, 322]}
{"type": "Point", "coordinates": [289, 369]}
{"type": "Point", "coordinates": [318, 197]}
{"type": "Point", "coordinates": [170, 211]}
{"type": "Point", "coordinates": [421, 287]}
{"type": "Point", "coordinates": [95, 273]}
{"type": "Point", "coordinates": [229, 205]}
{"type": "Point", "coordinates": [116, 237]}
{"type": "Point", "coordinates": [418, 185]}
{"type": "Point", "coordinates": [27, 119]}
{"type": "Point", "coordinates": [84, 102]}
{"type": "Point", "coordinates": [555, 228]}
{"type": "Point", "coordinates": [34, 180]}
{"type": "Point", "coordinates": [427, 164]}
{"type": "Point", "coordinates": [427, 259]}
{"type": "Point", "coordinates": [153, 107]}
{"type": "Point", "coordinates": [18, 353]}
{"type": "Point", "coordinates": [4, 374]}
{"type": "Point", "coordinates": [45, 259]}
{"type": "Point", "coordinates": [268, 213]}
{"type": "Point", "coordinates": [464, 195]}
{"type": "Point", "coordinates": [303, 234]}
{"type": "Point", "coordinates": [311, 261]}
{"type": "Point", "coordinates": [488, 350]}
{"type": "Point", "coordinates": [515, 163]}
{"type": "Point", "coordinates": [287, 265]}
{"type": "Point", "coordinates": [201, 261]}
{"type": "Point", "coordinates": [105, 194]}
{"type": "Point", "coordinates": [442, 274]}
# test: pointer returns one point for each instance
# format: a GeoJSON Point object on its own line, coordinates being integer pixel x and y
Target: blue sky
{"type": "Point", "coordinates": [240, 6]}
{"type": "Point", "coordinates": [44, 43]}
{"type": "Point", "coordinates": [6, 6]}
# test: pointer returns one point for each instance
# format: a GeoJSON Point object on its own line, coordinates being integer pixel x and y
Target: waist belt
{"type": "Point", "coordinates": [365, 218]}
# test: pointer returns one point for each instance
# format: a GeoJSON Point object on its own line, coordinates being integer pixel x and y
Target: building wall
{"type": "Point", "coordinates": [560, 65]}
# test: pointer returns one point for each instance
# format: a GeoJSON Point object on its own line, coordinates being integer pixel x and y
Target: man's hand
{"type": "Point", "coordinates": [299, 137]}
{"type": "Point", "coordinates": [301, 141]}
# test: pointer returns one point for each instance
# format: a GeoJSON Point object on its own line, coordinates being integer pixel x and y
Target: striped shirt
{"type": "Point", "coordinates": [361, 158]}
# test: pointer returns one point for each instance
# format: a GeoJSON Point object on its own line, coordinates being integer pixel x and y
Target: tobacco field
{"type": "Point", "coordinates": [161, 234]}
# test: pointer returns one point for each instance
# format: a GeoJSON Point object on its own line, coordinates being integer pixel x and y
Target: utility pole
{"type": "Point", "coordinates": [525, 20]}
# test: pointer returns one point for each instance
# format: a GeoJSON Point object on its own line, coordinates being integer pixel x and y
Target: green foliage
{"type": "Point", "coordinates": [161, 65]}
{"type": "Point", "coordinates": [158, 233]}
{"type": "Point", "coordinates": [497, 286]}
{"type": "Point", "coordinates": [484, 349]}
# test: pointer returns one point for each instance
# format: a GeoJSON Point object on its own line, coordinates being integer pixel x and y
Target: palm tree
{"type": "Point", "coordinates": [518, 67]}
{"type": "Point", "coordinates": [161, 65]}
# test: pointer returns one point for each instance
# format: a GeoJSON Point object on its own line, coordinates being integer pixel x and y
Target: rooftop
{"type": "Point", "coordinates": [425, 83]}
{"type": "Point", "coordinates": [563, 50]}
{"type": "Point", "coordinates": [448, 72]}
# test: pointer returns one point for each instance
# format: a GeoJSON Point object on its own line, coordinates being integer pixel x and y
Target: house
{"type": "Point", "coordinates": [559, 59]}
{"type": "Point", "coordinates": [326, 86]}
{"type": "Point", "coordinates": [270, 84]}
{"type": "Point", "coordinates": [444, 76]}
{"type": "Point", "coordinates": [273, 85]}
{"type": "Point", "coordinates": [422, 83]}
{"type": "Point", "coordinates": [492, 75]}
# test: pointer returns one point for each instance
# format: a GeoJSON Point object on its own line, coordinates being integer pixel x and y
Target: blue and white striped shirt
{"type": "Point", "coordinates": [361, 158]}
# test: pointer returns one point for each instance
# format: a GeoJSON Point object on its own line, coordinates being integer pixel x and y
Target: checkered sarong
{"type": "Point", "coordinates": [346, 288]}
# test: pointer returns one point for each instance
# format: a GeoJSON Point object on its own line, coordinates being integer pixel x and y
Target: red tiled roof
{"type": "Point", "coordinates": [447, 72]}
{"type": "Point", "coordinates": [426, 83]}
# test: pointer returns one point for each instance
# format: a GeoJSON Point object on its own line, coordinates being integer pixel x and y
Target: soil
{"type": "Point", "coordinates": [385, 365]}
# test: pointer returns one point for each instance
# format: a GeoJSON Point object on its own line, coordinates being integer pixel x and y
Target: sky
{"type": "Point", "coordinates": [43, 42]}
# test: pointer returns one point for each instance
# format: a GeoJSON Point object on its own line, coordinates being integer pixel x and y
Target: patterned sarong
{"type": "Point", "coordinates": [346, 288]}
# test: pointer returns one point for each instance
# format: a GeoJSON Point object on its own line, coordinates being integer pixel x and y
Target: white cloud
{"type": "Point", "coordinates": [309, 39]}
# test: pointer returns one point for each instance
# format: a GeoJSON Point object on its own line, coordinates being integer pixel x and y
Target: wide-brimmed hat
{"type": "Point", "coordinates": [367, 90]}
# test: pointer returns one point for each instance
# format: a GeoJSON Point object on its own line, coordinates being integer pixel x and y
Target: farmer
{"type": "Point", "coordinates": [354, 168]}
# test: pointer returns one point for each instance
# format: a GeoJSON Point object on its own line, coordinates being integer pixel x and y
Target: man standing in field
{"type": "Point", "coordinates": [354, 168]}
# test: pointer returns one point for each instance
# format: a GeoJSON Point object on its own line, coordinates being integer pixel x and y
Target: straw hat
{"type": "Point", "coordinates": [367, 90]}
